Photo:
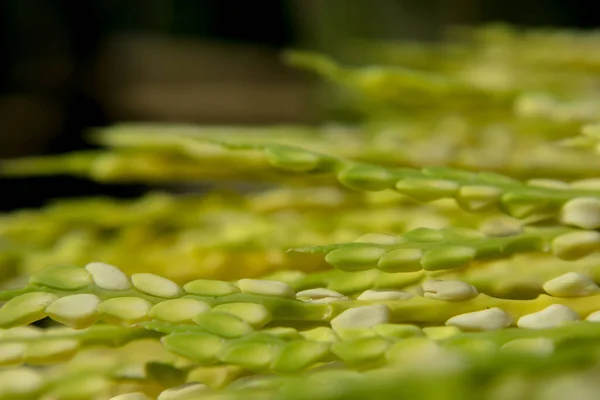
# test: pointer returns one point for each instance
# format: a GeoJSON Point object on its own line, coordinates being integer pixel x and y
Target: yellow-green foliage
{"type": "Point", "coordinates": [445, 246]}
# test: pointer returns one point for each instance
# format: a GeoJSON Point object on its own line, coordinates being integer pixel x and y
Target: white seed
{"type": "Point", "coordinates": [583, 212]}
{"type": "Point", "coordinates": [320, 296]}
{"type": "Point", "coordinates": [550, 317]}
{"type": "Point", "coordinates": [318, 293]}
{"type": "Point", "coordinates": [571, 284]}
{"type": "Point", "coordinates": [593, 317]}
{"type": "Point", "coordinates": [266, 288]}
{"type": "Point", "coordinates": [448, 290]}
{"type": "Point", "coordinates": [379, 294]}
{"type": "Point", "coordinates": [534, 346]}
{"type": "Point", "coordinates": [186, 391]}
{"type": "Point", "coordinates": [108, 277]}
{"type": "Point", "coordinates": [576, 245]}
{"type": "Point", "coordinates": [378, 238]}
{"type": "Point", "coordinates": [78, 310]}
{"type": "Point", "coordinates": [131, 396]}
{"type": "Point", "coordinates": [155, 285]}
{"type": "Point", "coordinates": [484, 320]}
{"type": "Point", "coordinates": [362, 317]}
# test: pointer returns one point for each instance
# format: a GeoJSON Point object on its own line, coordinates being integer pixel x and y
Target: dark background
{"type": "Point", "coordinates": [68, 65]}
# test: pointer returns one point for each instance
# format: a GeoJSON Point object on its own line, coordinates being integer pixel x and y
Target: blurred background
{"type": "Point", "coordinates": [66, 65]}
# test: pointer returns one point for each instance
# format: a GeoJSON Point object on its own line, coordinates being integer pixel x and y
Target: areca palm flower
{"type": "Point", "coordinates": [446, 246]}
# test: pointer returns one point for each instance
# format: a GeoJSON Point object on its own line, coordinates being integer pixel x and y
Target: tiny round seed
{"type": "Point", "coordinates": [108, 277]}
{"type": "Point", "coordinates": [155, 285]}
{"type": "Point", "coordinates": [550, 317]}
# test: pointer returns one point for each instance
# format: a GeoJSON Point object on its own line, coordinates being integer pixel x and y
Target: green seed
{"type": "Point", "coordinates": [291, 159]}
{"type": "Point", "coordinates": [250, 355]}
{"type": "Point", "coordinates": [361, 351]}
{"type": "Point", "coordinates": [440, 332]}
{"type": "Point", "coordinates": [448, 258]}
{"type": "Point", "coordinates": [125, 311]}
{"type": "Point", "coordinates": [424, 235]}
{"type": "Point", "coordinates": [222, 324]}
{"type": "Point", "coordinates": [210, 288]}
{"type": "Point", "coordinates": [320, 334]}
{"type": "Point", "coordinates": [397, 331]}
{"type": "Point", "coordinates": [427, 189]}
{"type": "Point", "coordinates": [355, 258]}
{"type": "Point", "coordinates": [299, 355]}
{"type": "Point", "coordinates": [365, 177]}
{"type": "Point", "coordinates": [521, 205]}
{"type": "Point", "coordinates": [478, 198]}
{"type": "Point", "coordinates": [178, 311]}
{"type": "Point", "coordinates": [200, 347]}
{"type": "Point", "coordinates": [25, 309]}
{"type": "Point", "coordinates": [21, 383]}
{"type": "Point", "coordinates": [266, 288]}
{"type": "Point", "coordinates": [63, 277]}
{"type": "Point", "coordinates": [50, 351]}
{"type": "Point", "coordinates": [254, 314]}
{"type": "Point", "coordinates": [401, 260]}
{"type": "Point", "coordinates": [165, 374]}
{"type": "Point", "coordinates": [576, 245]}
{"type": "Point", "coordinates": [155, 285]}
{"type": "Point", "coordinates": [11, 353]}
{"type": "Point", "coordinates": [77, 311]}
